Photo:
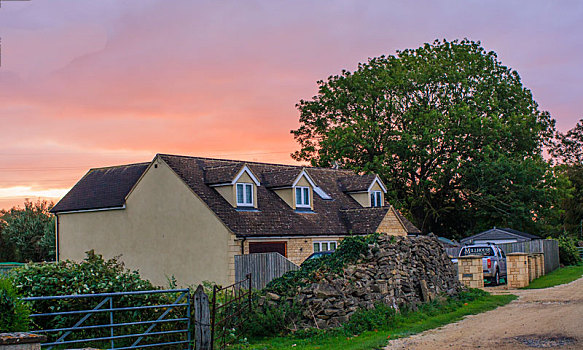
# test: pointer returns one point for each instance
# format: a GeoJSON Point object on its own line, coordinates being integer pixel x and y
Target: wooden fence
{"type": "Point", "coordinates": [549, 247]}
{"type": "Point", "coordinates": [263, 267]}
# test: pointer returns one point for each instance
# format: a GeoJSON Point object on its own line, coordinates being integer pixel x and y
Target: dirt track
{"type": "Point", "coordinates": [539, 318]}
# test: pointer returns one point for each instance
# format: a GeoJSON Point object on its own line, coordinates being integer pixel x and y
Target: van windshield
{"type": "Point", "coordinates": [483, 251]}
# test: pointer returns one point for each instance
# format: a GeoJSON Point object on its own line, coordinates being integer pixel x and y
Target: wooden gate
{"type": "Point", "coordinates": [263, 267]}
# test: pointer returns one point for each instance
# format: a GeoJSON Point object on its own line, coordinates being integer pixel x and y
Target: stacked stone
{"type": "Point", "coordinates": [517, 267]}
{"type": "Point", "coordinates": [397, 271]}
{"type": "Point", "coordinates": [531, 267]}
{"type": "Point", "coordinates": [471, 273]}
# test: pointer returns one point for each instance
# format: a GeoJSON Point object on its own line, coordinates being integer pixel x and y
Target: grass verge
{"type": "Point", "coordinates": [559, 276]}
{"type": "Point", "coordinates": [428, 316]}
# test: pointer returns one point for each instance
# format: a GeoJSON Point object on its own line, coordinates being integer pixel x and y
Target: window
{"type": "Point", "coordinates": [376, 199]}
{"type": "Point", "coordinates": [303, 197]}
{"type": "Point", "coordinates": [323, 246]}
{"type": "Point", "coordinates": [245, 194]}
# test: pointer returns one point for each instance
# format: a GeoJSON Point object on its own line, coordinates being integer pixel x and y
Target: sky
{"type": "Point", "coordinates": [87, 83]}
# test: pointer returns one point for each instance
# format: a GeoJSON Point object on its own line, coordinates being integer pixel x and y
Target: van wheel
{"type": "Point", "coordinates": [496, 279]}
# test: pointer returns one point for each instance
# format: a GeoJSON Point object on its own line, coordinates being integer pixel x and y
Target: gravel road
{"type": "Point", "coordinates": [549, 318]}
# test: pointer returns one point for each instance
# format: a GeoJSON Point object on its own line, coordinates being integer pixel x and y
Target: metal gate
{"type": "Point", "coordinates": [230, 306]}
{"type": "Point", "coordinates": [126, 320]}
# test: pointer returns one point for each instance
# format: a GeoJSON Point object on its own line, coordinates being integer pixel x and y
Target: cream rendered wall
{"type": "Point", "coordinates": [165, 230]}
{"type": "Point", "coordinates": [287, 194]}
{"type": "Point", "coordinates": [363, 198]}
{"type": "Point", "coordinates": [227, 193]}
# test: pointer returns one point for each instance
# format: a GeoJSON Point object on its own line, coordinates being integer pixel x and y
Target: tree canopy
{"type": "Point", "coordinates": [27, 234]}
{"type": "Point", "coordinates": [454, 134]}
{"type": "Point", "coordinates": [568, 151]}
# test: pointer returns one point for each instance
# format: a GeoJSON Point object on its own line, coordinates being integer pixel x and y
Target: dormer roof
{"type": "Point", "coordinates": [227, 174]}
{"type": "Point", "coordinates": [360, 183]}
{"type": "Point", "coordinates": [281, 178]}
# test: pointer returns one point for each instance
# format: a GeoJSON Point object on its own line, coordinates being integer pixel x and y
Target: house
{"type": "Point", "coordinates": [188, 217]}
{"type": "Point", "coordinates": [498, 236]}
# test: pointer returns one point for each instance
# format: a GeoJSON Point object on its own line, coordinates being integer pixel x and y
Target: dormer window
{"type": "Point", "coordinates": [244, 194]}
{"type": "Point", "coordinates": [376, 199]}
{"type": "Point", "coordinates": [302, 197]}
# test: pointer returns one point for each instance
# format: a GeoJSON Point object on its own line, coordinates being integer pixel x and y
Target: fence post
{"type": "Point", "coordinates": [250, 292]}
{"type": "Point", "coordinates": [202, 331]}
{"type": "Point", "coordinates": [111, 321]}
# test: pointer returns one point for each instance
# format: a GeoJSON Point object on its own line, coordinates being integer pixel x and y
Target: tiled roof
{"type": "Point", "coordinates": [221, 174]}
{"type": "Point", "coordinates": [363, 220]}
{"type": "Point", "coordinates": [281, 177]}
{"type": "Point", "coordinates": [411, 229]}
{"type": "Point", "coordinates": [102, 188]}
{"type": "Point", "coordinates": [356, 183]}
{"type": "Point", "coordinates": [341, 215]}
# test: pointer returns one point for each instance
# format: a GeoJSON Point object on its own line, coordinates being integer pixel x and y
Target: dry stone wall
{"type": "Point", "coordinates": [397, 271]}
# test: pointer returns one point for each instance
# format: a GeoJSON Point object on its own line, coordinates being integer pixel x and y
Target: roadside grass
{"type": "Point", "coordinates": [431, 315]}
{"type": "Point", "coordinates": [559, 276]}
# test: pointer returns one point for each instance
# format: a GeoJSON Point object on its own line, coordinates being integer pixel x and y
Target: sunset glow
{"type": "Point", "coordinates": [87, 83]}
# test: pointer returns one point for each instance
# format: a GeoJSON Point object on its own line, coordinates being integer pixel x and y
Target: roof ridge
{"type": "Point", "coordinates": [119, 166]}
{"type": "Point", "coordinates": [258, 163]}
{"type": "Point", "coordinates": [219, 166]}
{"type": "Point", "coordinates": [366, 208]}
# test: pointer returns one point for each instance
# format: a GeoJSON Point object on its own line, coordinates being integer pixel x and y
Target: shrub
{"type": "Point", "coordinates": [270, 320]}
{"type": "Point", "coordinates": [91, 276]}
{"type": "Point", "coordinates": [568, 253]}
{"type": "Point", "coordinates": [381, 316]}
{"type": "Point", "coordinates": [14, 315]}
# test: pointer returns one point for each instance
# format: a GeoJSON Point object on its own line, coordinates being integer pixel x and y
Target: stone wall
{"type": "Point", "coordinates": [470, 271]}
{"type": "Point", "coordinates": [397, 271]}
{"type": "Point", "coordinates": [21, 341]}
{"type": "Point", "coordinates": [517, 268]}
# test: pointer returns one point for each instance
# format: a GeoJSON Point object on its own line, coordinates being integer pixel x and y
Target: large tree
{"type": "Point", "coordinates": [455, 135]}
{"type": "Point", "coordinates": [568, 151]}
{"type": "Point", "coordinates": [28, 233]}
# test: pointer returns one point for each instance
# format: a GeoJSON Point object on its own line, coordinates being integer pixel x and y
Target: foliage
{"type": "Point", "coordinates": [270, 320]}
{"type": "Point", "coordinates": [427, 316]}
{"type": "Point", "coordinates": [14, 315]}
{"type": "Point", "coordinates": [349, 251]}
{"type": "Point", "coordinates": [569, 146]}
{"type": "Point", "coordinates": [568, 253]}
{"type": "Point", "coordinates": [381, 317]}
{"type": "Point", "coordinates": [29, 233]}
{"type": "Point", "coordinates": [561, 275]}
{"type": "Point", "coordinates": [91, 276]}
{"type": "Point", "coordinates": [435, 123]}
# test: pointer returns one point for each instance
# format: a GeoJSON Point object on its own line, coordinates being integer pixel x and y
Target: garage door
{"type": "Point", "coordinates": [268, 247]}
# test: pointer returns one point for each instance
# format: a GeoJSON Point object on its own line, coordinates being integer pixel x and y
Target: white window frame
{"type": "Point", "coordinates": [319, 243]}
{"type": "Point", "coordinates": [302, 199]}
{"type": "Point", "coordinates": [244, 203]}
{"type": "Point", "coordinates": [374, 196]}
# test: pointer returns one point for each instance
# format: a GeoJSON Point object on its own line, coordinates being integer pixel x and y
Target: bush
{"type": "Point", "coordinates": [270, 320]}
{"type": "Point", "coordinates": [14, 315]}
{"type": "Point", "coordinates": [381, 317]}
{"type": "Point", "coordinates": [350, 250]}
{"type": "Point", "coordinates": [568, 253]}
{"type": "Point", "coordinates": [91, 276]}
